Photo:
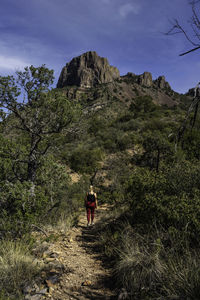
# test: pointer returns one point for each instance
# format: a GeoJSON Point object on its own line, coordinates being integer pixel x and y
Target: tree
{"type": "Point", "coordinates": [32, 116]}
{"type": "Point", "coordinates": [38, 112]}
{"type": "Point", "coordinates": [156, 146]}
{"type": "Point", "coordinates": [191, 32]}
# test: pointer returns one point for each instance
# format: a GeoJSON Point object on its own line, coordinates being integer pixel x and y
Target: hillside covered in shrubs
{"type": "Point", "coordinates": [132, 138]}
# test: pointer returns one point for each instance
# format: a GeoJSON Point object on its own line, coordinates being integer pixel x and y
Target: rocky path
{"type": "Point", "coordinates": [84, 275]}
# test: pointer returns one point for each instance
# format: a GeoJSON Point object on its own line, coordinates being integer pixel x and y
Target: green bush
{"type": "Point", "coordinates": [86, 160]}
{"type": "Point", "coordinates": [142, 104]}
{"type": "Point", "coordinates": [23, 204]}
{"type": "Point", "coordinates": [191, 144]}
{"type": "Point", "coordinates": [97, 124]}
{"type": "Point", "coordinates": [108, 138]}
{"type": "Point", "coordinates": [21, 207]}
{"type": "Point", "coordinates": [157, 149]}
{"type": "Point", "coordinates": [125, 141]}
{"type": "Point", "coordinates": [166, 198]}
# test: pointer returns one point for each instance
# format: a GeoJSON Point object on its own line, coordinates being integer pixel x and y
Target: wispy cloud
{"type": "Point", "coordinates": [128, 8]}
{"type": "Point", "coordinates": [12, 63]}
{"type": "Point", "coordinates": [52, 32]}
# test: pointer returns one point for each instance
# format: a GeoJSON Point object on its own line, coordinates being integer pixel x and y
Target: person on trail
{"type": "Point", "coordinates": [90, 204]}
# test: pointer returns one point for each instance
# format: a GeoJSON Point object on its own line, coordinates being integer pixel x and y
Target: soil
{"type": "Point", "coordinates": [86, 275]}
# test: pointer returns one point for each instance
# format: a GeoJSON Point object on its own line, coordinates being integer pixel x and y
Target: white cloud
{"type": "Point", "coordinates": [12, 63]}
{"type": "Point", "coordinates": [128, 8]}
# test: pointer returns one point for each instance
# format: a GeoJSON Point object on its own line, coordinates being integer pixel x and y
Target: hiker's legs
{"type": "Point", "coordinates": [92, 213]}
{"type": "Point", "coordinates": [88, 214]}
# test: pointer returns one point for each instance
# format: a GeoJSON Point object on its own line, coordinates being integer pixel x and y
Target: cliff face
{"type": "Point", "coordinates": [84, 75]}
{"type": "Point", "coordinates": [87, 70]}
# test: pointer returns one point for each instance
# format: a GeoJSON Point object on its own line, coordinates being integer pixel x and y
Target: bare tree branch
{"type": "Point", "coordinates": [191, 32]}
{"type": "Point", "coordinates": [189, 51]}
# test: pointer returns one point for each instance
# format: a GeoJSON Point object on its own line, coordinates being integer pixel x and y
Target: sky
{"type": "Point", "coordinates": [129, 33]}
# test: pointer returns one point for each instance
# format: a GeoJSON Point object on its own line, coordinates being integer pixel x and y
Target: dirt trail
{"type": "Point", "coordinates": [85, 276]}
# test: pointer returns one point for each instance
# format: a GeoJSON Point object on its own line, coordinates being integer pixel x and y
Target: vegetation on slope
{"type": "Point", "coordinates": [127, 149]}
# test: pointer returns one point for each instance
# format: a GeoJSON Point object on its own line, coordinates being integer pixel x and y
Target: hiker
{"type": "Point", "coordinates": [90, 204]}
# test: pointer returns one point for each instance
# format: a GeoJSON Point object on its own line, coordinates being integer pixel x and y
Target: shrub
{"type": "Point", "coordinates": [156, 149]}
{"type": "Point", "coordinates": [169, 199]}
{"type": "Point", "coordinates": [142, 104]}
{"type": "Point", "coordinates": [125, 141]}
{"type": "Point", "coordinates": [20, 208]}
{"type": "Point", "coordinates": [191, 144]}
{"type": "Point", "coordinates": [97, 124]}
{"type": "Point", "coordinates": [86, 160]}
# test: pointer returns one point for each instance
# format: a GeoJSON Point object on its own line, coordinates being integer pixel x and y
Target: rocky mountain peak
{"type": "Point", "coordinates": [87, 70]}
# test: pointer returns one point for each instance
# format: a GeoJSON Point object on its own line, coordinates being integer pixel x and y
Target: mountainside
{"type": "Point", "coordinates": [135, 145]}
{"type": "Point", "coordinates": [90, 76]}
{"type": "Point", "coordinates": [135, 140]}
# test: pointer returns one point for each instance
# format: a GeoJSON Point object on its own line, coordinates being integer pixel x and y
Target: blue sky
{"type": "Point", "coordinates": [127, 32]}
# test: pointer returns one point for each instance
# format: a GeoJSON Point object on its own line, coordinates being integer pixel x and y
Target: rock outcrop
{"type": "Point", "coordinates": [87, 70]}
{"type": "Point", "coordinates": [145, 79]}
{"type": "Point", "coordinates": [162, 83]}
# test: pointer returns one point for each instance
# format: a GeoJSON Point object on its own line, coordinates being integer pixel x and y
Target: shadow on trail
{"type": "Point", "coordinates": [88, 240]}
{"type": "Point", "coordinates": [89, 293]}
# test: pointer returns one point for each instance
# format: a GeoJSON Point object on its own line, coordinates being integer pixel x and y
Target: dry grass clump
{"type": "Point", "coordinates": [139, 268]}
{"type": "Point", "coordinates": [148, 269]}
{"type": "Point", "coordinates": [150, 263]}
{"type": "Point", "coordinates": [17, 266]}
{"type": "Point", "coordinates": [65, 222]}
{"type": "Point", "coordinates": [183, 276]}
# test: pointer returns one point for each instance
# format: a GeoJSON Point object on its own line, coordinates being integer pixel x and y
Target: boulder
{"type": "Point", "coordinates": [87, 70]}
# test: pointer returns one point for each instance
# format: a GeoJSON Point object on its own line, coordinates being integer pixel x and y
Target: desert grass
{"type": "Point", "coordinates": [17, 266]}
{"type": "Point", "coordinates": [182, 278]}
{"type": "Point", "coordinates": [146, 268]}
{"type": "Point", "coordinates": [150, 263]}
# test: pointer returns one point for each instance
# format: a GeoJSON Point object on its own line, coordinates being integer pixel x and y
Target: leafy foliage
{"type": "Point", "coordinates": [40, 115]}
{"type": "Point", "coordinates": [142, 105]}
{"type": "Point", "coordinates": [86, 160]}
{"type": "Point", "coordinates": [31, 179]}
{"type": "Point", "coordinates": [129, 146]}
{"type": "Point", "coordinates": [171, 199]}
